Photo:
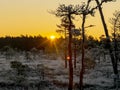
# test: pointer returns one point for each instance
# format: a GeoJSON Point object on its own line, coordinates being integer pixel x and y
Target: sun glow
{"type": "Point", "coordinates": [52, 37]}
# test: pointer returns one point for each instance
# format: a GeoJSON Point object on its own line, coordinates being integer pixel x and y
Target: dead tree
{"type": "Point", "coordinates": [115, 21]}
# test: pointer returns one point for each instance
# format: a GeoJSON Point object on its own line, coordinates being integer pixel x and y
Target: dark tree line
{"type": "Point", "coordinates": [28, 42]}
{"type": "Point", "coordinates": [23, 42]}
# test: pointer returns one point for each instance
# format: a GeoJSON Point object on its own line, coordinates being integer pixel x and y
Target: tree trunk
{"type": "Point", "coordinates": [83, 54]}
{"type": "Point", "coordinates": [65, 50]}
{"type": "Point", "coordinates": [113, 60]}
{"type": "Point", "coordinates": [70, 55]}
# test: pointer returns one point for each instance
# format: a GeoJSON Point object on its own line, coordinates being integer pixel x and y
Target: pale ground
{"type": "Point", "coordinates": [100, 76]}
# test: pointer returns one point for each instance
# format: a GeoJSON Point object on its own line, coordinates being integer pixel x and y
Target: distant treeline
{"type": "Point", "coordinates": [40, 43]}
{"type": "Point", "coordinates": [24, 42]}
{"type": "Point", "coordinates": [43, 43]}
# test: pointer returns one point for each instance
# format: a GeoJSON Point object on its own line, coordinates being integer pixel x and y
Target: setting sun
{"type": "Point", "coordinates": [52, 37]}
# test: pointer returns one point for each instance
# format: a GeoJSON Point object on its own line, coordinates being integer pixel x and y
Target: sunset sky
{"type": "Point", "coordinates": [31, 17]}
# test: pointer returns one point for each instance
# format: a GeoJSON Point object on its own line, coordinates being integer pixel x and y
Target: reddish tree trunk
{"type": "Point", "coordinates": [65, 50]}
{"type": "Point", "coordinates": [70, 87]}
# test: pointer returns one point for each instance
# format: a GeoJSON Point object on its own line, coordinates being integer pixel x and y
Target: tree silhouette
{"type": "Point", "coordinates": [113, 60]}
{"type": "Point", "coordinates": [67, 14]}
{"type": "Point", "coordinates": [115, 21]}
{"type": "Point", "coordinates": [85, 10]}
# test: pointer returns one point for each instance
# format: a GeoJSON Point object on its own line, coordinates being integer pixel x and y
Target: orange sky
{"type": "Point", "coordinates": [31, 17]}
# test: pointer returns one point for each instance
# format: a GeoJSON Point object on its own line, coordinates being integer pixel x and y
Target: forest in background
{"type": "Point", "coordinates": [26, 43]}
